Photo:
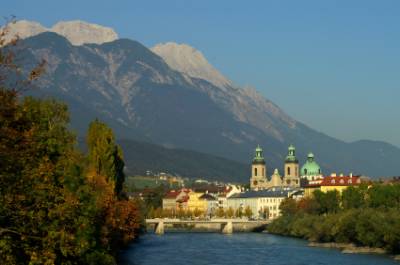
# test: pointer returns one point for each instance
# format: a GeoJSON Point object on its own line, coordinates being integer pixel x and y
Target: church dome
{"type": "Point", "coordinates": [310, 168]}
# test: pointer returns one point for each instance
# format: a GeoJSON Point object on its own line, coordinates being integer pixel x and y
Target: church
{"type": "Point", "coordinates": [292, 176]}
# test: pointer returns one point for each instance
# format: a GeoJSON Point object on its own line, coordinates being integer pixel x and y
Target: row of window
{"type": "Point", "coordinates": [271, 200]}
{"type": "Point", "coordinates": [342, 181]}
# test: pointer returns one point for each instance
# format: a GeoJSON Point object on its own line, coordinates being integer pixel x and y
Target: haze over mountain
{"type": "Point", "coordinates": [179, 100]}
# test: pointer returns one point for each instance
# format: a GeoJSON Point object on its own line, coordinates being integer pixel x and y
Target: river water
{"type": "Point", "coordinates": [236, 249]}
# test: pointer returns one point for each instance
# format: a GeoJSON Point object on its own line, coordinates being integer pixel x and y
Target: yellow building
{"type": "Point", "coordinates": [195, 202]}
{"type": "Point", "coordinates": [310, 188]}
{"type": "Point", "coordinates": [337, 183]}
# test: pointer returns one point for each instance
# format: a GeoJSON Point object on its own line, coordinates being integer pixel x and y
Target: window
{"type": "Point", "coordinates": [288, 171]}
{"type": "Point", "coordinates": [305, 171]}
{"type": "Point", "coordinates": [341, 181]}
{"type": "Point", "coordinates": [263, 173]}
{"type": "Point", "coordinates": [333, 181]}
{"type": "Point", "coordinates": [255, 172]}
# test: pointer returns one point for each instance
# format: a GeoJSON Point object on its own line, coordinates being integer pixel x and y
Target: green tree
{"type": "Point", "coordinates": [220, 212]}
{"type": "Point", "coordinates": [230, 212]}
{"type": "Point", "coordinates": [352, 197]}
{"type": "Point", "coordinates": [328, 201]}
{"type": "Point", "coordinates": [105, 156]}
{"type": "Point", "coordinates": [197, 212]}
{"type": "Point", "coordinates": [387, 196]}
{"type": "Point", "coordinates": [288, 207]}
{"type": "Point", "coordinates": [248, 212]}
{"type": "Point", "coordinates": [50, 212]}
{"type": "Point", "coordinates": [239, 212]}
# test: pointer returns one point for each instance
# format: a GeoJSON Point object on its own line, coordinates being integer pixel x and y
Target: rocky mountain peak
{"type": "Point", "coordinates": [24, 29]}
{"type": "Point", "coordinates": [188, 60]}
{"type": "Point", "coordinates": [80, 32]}
{"type": "Point", "coordinates": [77, 32]}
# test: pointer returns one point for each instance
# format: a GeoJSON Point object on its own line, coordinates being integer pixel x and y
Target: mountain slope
{"type": "Point", "coordinates": [143, 98]}
{"type": "Point", "coordinates": [141, 156]}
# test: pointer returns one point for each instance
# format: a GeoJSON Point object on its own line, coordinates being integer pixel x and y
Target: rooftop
{"type": "Point", "coordinates": [207, 197]}
{"type": "Point", "coordinates": [337, 181]}
{"type": "Point", "coordinates": [274, 192]}
{"type": "Point", "coordinates": [341, 181]}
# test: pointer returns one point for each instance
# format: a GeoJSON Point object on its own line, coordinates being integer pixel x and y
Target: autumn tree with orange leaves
{"type": "Point", "coordinates": [54, 208]}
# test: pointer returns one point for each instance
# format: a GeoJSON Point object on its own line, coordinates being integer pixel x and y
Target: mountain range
{"type": "Point", "coordinates": [171, 96]}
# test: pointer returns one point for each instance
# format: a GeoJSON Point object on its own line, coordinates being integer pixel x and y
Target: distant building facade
{"type": "Point", "coordinates": [263, 203]}
{"type": "Point", "coordinates": [332, 183]}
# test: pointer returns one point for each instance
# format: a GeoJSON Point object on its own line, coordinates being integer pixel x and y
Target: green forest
{"type": "Point", "coordinates": [368, 215]}
{"type": "Point", "coordinates": [57, 204]}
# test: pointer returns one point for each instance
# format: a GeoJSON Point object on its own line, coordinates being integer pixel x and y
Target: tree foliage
{"type": "Point", "coordinates": [365, 216]}
{"type": "Point", "coordinates": [105, 156]}
{"type": "Point", "coordinates": [53, 208]}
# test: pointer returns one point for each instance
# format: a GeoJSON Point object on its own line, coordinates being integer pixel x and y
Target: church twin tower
{"type": "Point", "coordinates": [259, 178]}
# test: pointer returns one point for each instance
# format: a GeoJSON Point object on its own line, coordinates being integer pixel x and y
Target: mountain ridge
{"type": "Point", "coordinates": [76, 31]}
{"type": "Point", "coordinates": [186, 59]}
{"type": "Point", "coordinates": [133, 89]}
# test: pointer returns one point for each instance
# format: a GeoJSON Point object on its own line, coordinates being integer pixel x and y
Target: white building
{"type": "Point", "coordinates": [212, 203]}
{"type": "Point", "coordinates": [228, 192]}
{"type": "Point", "coordinates": [263, 203]}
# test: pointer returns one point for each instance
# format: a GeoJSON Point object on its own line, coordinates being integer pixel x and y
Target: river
{"type": "Point", "coordinates": [236, 249]}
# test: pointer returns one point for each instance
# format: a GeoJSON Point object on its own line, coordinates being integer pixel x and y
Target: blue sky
{"type": "Point", "coordinates": [333, 65]}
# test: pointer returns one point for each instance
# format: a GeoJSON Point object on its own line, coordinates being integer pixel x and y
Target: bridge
{"type": "Point", "coordinates": [226, 225]}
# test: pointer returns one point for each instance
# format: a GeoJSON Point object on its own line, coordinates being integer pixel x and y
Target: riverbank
{"type": "Point", "coordinates": [349, 248]}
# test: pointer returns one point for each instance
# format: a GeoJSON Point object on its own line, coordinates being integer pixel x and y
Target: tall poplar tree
{"type": "Point", "coordinates": [105, 156]}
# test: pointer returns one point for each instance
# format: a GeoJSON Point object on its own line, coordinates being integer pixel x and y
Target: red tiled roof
{"type": "Point", "coordinates": [336, 181]}
{"type": "Point", "coordinates": [313, 185]}
{"type": "Point", "coordinates": [341, 181]}
{"type": "Point", "coordinates": [172, 194]}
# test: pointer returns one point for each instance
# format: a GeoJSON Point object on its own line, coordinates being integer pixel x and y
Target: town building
{"type": "Point", "coordinates": [330, 183]}
{"type": "Point", "coordinates": [263, 203]}
{"type": "Point", "coordinates": [212, 204]}
{"type": "Point", "coordinates": [175, 199]}
{"type": "Point", "coordinates": [169, 200]}
{"type": "Point", "coordinates": [206, 199]}
{"type": "Point", "coordinates": [195, 203]}
{"type": "Point", "coordinates": [228, 192]}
